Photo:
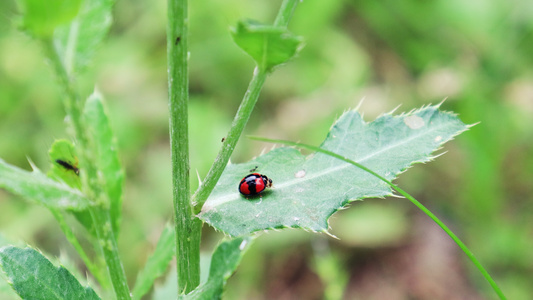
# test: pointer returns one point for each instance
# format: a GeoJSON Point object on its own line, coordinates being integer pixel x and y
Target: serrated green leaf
{"type": "Point", "coordinates": [157, 263]}
{"type": "Point", "coordinates": [64, 163]}
{"type": "Point", "coordinates": [77, 42]}
{"type": "Point", "coordinates": [33, 276]}
{"type": "Point", "coordinates": [6, 292]}
{"type": "Point", "coordinates": [104, 154]}
{"type": "Point", "coordinates": [268, 45]}
{"type": "Point", "coordinates": [309, 189]}
{"type": "Point", "coordinates": [224, 261]}
{"type": "Point", "coordinates": [37, 187]}
{"type": "Point", "coordinates": [40, 18]}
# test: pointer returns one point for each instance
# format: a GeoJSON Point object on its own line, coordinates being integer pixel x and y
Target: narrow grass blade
{"type": "Point", "coordinates": [157, 263]}
{"type": "Point", "coordinates": [463, 247]}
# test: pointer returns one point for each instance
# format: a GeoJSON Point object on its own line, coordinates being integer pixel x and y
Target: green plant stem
{"type": "Point", "coordinates": [91, 185]}
{"type": "Point", "coordinates": [108, 245]}
{"type": "Point", "coordinates": [463, 247]}
{"type": "Point", "coordinates": [71, 237]}
{"type": "Point", "coordinates": [72, 103]}
{"type": "Point", "coordinates": [187, 226]}
{"type": "Point", "coordinates": [241, 117]}
{"type": "Point", "coordinates": [285, 13]}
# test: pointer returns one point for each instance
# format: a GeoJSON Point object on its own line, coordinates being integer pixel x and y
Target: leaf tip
{"type": "Point", "coordinates": [396, 196]}
{"type": "Point", "coordinates": [330, 234]}
{"type": "Point", "coordinates": [356, 109]}
{"type": "Point", "coordinates": [394, 109]}
{"type": "Point", "coordinates": [441, 102]}
{"type": "Point", "coordinates": [436, 156]}
{"type": "Point", "coordinates": [33, 166]}
{"type": "Point", "coordinates": [199, 179]}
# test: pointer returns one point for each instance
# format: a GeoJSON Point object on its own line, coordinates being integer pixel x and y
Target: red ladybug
{"type": "Point", "coordinates": [254, 184]}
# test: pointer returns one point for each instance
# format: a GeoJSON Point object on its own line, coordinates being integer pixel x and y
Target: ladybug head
{"type": "Point", "coordinates": [268, 181]}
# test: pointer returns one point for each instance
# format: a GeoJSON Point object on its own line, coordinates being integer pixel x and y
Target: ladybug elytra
{"type": "Point", "coordinates": [253, 184]}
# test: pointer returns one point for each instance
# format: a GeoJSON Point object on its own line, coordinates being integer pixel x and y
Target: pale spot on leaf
{"type": "Point", "coordinates": [414, 122]}
{"type": "Point", "coordinates": [300, 174]}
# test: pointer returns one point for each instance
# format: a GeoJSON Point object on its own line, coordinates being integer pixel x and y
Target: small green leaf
{"type": "Point", "coordinates": [65, 168]}
{"type": "Point", "coordinates": [40, 18]}
{"type": "Point", "coordinates": [77, 42]}
{"type": "Point", "coordinates": [309, 189]}
{"type": "Point", "coordinates": [37, 187]}
{"type": "Point", "coordinates": [64, 163]}
{"type": "Point", "coordinates": [33, 276]}
{"type": "Point", "coordinates": [104, 154]}
{"type": "Point", "coordinates": [224, 261]}
{"type": "Point", "coordinates": [157, 263]}
{"type": "Point", "coordinates": [268, 45]}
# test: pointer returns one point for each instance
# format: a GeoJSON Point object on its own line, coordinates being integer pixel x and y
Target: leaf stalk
{"type": "Point", "coordinates": [241, 117]}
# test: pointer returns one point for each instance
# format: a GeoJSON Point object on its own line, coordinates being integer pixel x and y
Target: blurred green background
{"type": "Point", "coordinates": [477, 54]}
